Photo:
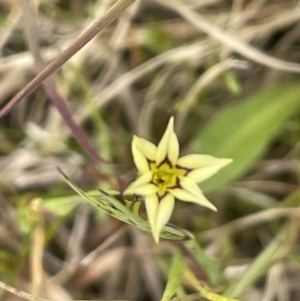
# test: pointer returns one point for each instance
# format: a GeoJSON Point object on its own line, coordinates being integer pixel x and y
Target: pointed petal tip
{"type": "Point", "coordinates": [164, 212]}
{"type": "Point", "coordinates": [210, 206]}
{"type": "Point", "coordinates": [135, 138]}
{"type": "Point", "coordinates": [226, 161]}
{"type": "Point", "coordinates": [156, 237]}
{"type": "Point", "coordinates": [170, 126]}
{"type": "Point", "coordinates": [213, 208]}
{"type": "Point", "coordinates": [171, 121]}
{"type": "Point", "coordinates": [155, 233]}
{"type": "Point", "coordinates": [142, 151]}
{"type": "Point", "coordinates": [168, 146]}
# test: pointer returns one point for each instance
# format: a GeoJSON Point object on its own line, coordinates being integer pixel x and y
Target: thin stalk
{"type": "Point", "coordinates": [87, 36]}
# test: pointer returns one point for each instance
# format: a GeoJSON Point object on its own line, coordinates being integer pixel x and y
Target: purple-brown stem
{"type": "Point", "coordinates": [108, 18]}
{"type": "Point", "coordinates": [48, 83]}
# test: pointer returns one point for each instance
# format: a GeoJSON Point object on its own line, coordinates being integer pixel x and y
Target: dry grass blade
{"type": "Point", "coordinates": [20, 293]}
{"type": "Point", "coordinates": [209, 76]}
{"type": "Point", "coordinates": [229, 40]}
{"type": "Point", "coordinates": [74, 251]}
{"type": "Point", "coordinates": [252, 220]}
{"type": "Point", "coordinates": [116, 87]}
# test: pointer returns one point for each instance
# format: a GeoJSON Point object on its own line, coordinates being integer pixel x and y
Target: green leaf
{"type": "Point", "coordinates": [243, 131]}
{"type": "Point", "coordinates": [174, 277]}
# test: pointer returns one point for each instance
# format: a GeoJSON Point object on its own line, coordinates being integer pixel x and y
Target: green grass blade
{"type": "Point", "coordinates": [261, 264]}
{"type": "Point", "coordinates": [174, 277]}
{"type": "Point", "coordinates": [277, 249]}
{"type": "Point", "coordinates": [214, 273]}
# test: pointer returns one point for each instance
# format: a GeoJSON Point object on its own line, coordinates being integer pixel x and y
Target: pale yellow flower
{"type": "Point", "coordinates": [164, 177]}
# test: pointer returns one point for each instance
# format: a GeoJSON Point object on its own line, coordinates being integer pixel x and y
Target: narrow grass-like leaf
{"type": "Point", "coordinates": [174, 277]}
{"type": "Point", "coordinates": [114, 205]}
{"type": "Point", "coordinates": [272, 253]}
{"type": "Point", "coordinates": [277, 249]}
{"type": "Point", "coordinates": [214, 273]}
{"type": "Point", "coordinates": [242, 131]}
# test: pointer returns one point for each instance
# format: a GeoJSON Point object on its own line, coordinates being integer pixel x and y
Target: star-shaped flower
{"type": "Point", "coordinates": [164, 177]}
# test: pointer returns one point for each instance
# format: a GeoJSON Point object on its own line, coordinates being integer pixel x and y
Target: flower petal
{"type": "Point", "coordinates": [142, 151]}
{"type": "Point", "coordinates": [164, 211]}
{"type": "Point", "coordinates": [204, 166]}
{"type": "Point", "coordinates": [151, 202]}
{"type": "Point", "coordinates": [142, 185]}
{"type": "Point", "coordinates": [190, 192]}
{"type": "Point", "coordinates": [168, 145]}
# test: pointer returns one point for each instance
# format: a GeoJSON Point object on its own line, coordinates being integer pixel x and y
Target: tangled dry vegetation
{"type": "Point", "coordinates": [187, 58]}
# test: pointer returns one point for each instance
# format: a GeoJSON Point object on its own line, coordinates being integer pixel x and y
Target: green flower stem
{"type": "Point", "coordinates": [214, 274]}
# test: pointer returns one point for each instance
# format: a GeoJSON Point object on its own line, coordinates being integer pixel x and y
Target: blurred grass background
{"type": "Point", "coordinates": [224, 70]}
